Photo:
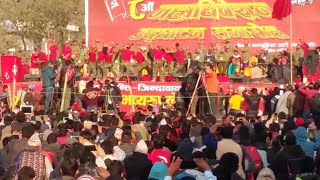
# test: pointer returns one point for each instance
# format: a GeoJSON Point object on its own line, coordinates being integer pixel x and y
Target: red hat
{"type": "Point", "coordinates": [299, 121]}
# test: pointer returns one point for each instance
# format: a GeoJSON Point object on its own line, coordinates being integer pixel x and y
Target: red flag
{"type": "Point", "coordinates": [70, 73]}
{"type": "Point", "coordinates": [116, 8]}
{"type": "Point", "coordinates": [11, 67]}
{"type": "Point", "coordinates": [281, 9]}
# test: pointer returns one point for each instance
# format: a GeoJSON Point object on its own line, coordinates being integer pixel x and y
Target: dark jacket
{"type": "Point", "coordinates": [137, 166]}
{"type": "Point", "coordinates": [29, 98]}
{"type": "Point", "coordinates": [53, 148]}
{"type": "Point", "coordinates": [14, 148]}
{"type": "Point", "coordinates": [114, 94]}
{"type": "Point", "coordinates": [276, 73]}
{"type": "Point", "coordinates": [286, 72]}
{"type": "Point", "coordinates": [253, 103]}
{"type": "Point", "coordinates": [48, 77]}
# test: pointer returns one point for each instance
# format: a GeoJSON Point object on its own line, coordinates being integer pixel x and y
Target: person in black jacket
{"type": "Point", "coordinates": [111, 96]}
{"type": "Point", "coordinates": [70, 83]}
{"type": "Point", "coordinates": [253, 103]}
{"type": "Point", "coordinates": [276, 72]}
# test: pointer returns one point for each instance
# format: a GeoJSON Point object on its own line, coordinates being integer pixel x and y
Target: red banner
{"type": "Point", "coordinates": [10, 67]}
{"type": "Point", "coordinates": [165, 22]}
{"type": "Point", "coordinates": [145, 93]}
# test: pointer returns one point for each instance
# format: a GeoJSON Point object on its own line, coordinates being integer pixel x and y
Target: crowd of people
{"type": "Point", "coordinates": [81, 134]}
{"type": "Point", "coordinates": [113, 60]}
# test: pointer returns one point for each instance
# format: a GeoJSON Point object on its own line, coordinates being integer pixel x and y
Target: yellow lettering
{"type": "Point", "coordinates": [133, 12]}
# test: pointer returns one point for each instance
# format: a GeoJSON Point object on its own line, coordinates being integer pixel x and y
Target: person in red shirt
{"type": "Point", "coordinates": [169, 66]}
{"type": "Point", "coordinates": [33, 59]}
{"type": "Point", "coordinates": [158, 154]}
{"type": "Point", "coordinates": [91, 97]}
{"type": "Point", "coordinates": [25, 67]}
{"type": "Point", "coordinates": [100, 61]}
{"type": "Point", "coordinates": [304, 46]}
{"type": "Point", "coordinates": [180, 59]}
{"type": "Point", "coordinates": [158, 62]}
{"type": "Point", "coordinates": [92, 61]}
{"type": "Point", "coordinates": [140, 56]}
{"type": "Point", "coordinates": [42, 60]}
{"type": "Point", "coordinates": [66, 52]}
{"type": "Point", "coordinates": [127, 60]}
{"type": "Point", "coordinates": [53, 51]}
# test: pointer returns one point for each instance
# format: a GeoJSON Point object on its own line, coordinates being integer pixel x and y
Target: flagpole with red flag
{"type": "Point", "coordinates": [282, 9]}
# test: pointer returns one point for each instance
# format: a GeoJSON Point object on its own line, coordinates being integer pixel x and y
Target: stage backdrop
{"type": "Point", "coordinates": [164, 22]}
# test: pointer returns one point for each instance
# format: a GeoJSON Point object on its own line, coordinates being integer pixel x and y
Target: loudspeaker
{"type": "Point", "coordinates": [133, 76]}
{"type": "Point", "coordinates": [32, 77]}
{"type": "Point", "coordinates": [238, 78]}
{"type": "Point", "coordinates": [179, 76]}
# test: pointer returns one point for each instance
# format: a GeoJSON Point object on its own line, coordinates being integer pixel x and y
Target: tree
{"type": "Point", "coordinates": [36, 20]}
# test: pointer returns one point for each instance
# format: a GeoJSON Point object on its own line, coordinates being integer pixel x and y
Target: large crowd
{"type": "Point", "coordinates": [265, 134]}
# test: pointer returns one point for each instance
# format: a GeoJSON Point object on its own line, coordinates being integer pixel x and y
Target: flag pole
{"type": "Point", "coordinates": [291, 65]}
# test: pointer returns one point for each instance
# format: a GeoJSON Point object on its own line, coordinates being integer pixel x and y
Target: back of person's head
{"type": "Point", "coordinates": [150, 108]}
{"type": "Point", "coordinates": [86, 135]}
{"type": "Point", "coordinates": [87, 157]}
{"type": "Point", "coordinates": [244, 136]}
{"type": "Point", "coordinates": [21, 117]}
{"type": "Point", "coordinates": [37, 125]}
{"type": "Point", "coordinates": [6, 140]}
{"type": "Point", "coordinates": [115, 121]}
{"type": "Point", "coordinates": [275, 61]}
{"type": "Point", "coordinates": [77, 126]}
{"type": "Point", "coordinates": [266, 174]}
{"type": "Point", "coordinates": [115, 168]}
{"type": "Point", "coordinates": [107, 146]}
{"type": "Point", "coordinates": [26, 173]}
{"type": "Point", "coordinates": [276, 90]}
{"type": "Point", "coordinates": [289, 87]}
{"type": "Point", "coordinates": [52, 138]}
{"type": "Point", "coordinates": [7, 120]}
{"type": "Point", "coordinates": [229, 161]}
{"type": "Point", "coordinates": [28, 131]}
{"type": "Point", "coordinates": [63, 132]}
{"type": "Point", "coordinates": [227, 132]}
{"type": "Point", "coordinates": [164, 130]}
{"type": "Point", "coordinates": [137, 118]}
{"type": "Point", "coordinates": [150, 146]}
{"type": "Point", "coordinates": [87, 168]}
{"type": "Point", "coordinates": [158, 141]}
{"type": "Point", "coordinates": [289, 139]}
{"type": "Point", "coordinates": [69, 167]}
{"type": "Point", "coordinates": [126, 138]}
{"type": "Point", "coordinates": [254, 91]}
{"type": "Point", "coordinates": [90, 84]}
{"type": "Point", "coordinates": [69, 124]}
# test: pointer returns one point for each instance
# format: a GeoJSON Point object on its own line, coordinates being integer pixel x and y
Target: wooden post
{"type": "Point", "coordinates": [291, 56]}
{"type": "Point", "coordinates": [64, 92]}
{"type": "Point", "coordinates": [9, 97]}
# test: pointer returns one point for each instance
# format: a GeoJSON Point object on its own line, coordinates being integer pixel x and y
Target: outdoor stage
{"type": "Point", "coordinates": [145, 92]}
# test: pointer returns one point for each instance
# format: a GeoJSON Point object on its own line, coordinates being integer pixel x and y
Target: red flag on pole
{"type": "Point", "coordinates": [281, 9]}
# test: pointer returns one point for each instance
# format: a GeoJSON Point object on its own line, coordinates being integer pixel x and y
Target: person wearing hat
{"type": "Point", "coordinates": [66, 52]}
{"type": "Point", "coordinates": [53, 48]}
{"type": "Point", "coordinates": [158, 61]}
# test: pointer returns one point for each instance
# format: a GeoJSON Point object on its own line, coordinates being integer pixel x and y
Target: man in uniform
{"type": "Point", "coordinates": [158, 62]}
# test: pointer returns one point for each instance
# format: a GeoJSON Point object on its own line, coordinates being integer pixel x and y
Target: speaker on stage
{"type": "Point", "coordinates": [179, 76]}
{"type": "Point", "coordinates": [238, 78]}
{"type": "Point", "coordinates": [133, 76]}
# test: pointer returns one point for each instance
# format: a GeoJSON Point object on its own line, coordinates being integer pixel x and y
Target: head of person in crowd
{"type": "Point", "coordinates": [26, 173]}
{"type": "Point", "coordinates": [228, 166]}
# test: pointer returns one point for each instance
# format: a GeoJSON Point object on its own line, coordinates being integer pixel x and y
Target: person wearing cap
{"type": "Point", "coordinates": [92, 61]}
{"type": "Point", "coordinates": [158, 61]}
{"type": "Point", "coordinates": [102, 66]}
{"type": "Point", "coordinates": [141, 57]}
{"type": "Point", "coordinates": [127, 60]}
{"type": "Point", "coordinates": [53, 48]}
{"type": "Point", "coordinates": [169, 65]}
{"type": "Point", "coordinates": [66, 52]}
{"type": "Point", "coordinates": [180, 57]}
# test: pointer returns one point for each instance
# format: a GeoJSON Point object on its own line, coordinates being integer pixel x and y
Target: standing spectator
{"type": "Point", "coordinates": [305, 48]}
{"type": "Point", "coordinates": [21, 94]}
{"type": "Point", "coordinates": [69, 70]}
{"type": "Point", "coordinates": [180, 56]}
{"type": "Point", "coordinates": [227, 145]}
{"type": "Point", "coordinates": [282, 102]}
{"type": "Point", "coordinates": [235, 103]}
{"type": "Point", "coordinates": [212, 87]}
{"type": "Point", "coordinates": [309, 91]}
{"type": "Point", "coordinates": [53, 48]}
{"type": "Point", "coordinates": [29, 98]}
{"type": "Point", "coordinates": [298, 61]}
{"type": "Point", "coordinates": [275, 72]}
{"type": "Point", "coordinates": [48, 80]}
{"type": "Point", "coordinates": [309, 147]}
{"type": "Point", "coordinates": [66, 52]}
{"type": "Point", "coordinates": [91, 97]}
{"type": "Point", "coordinates": [253, 103]}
